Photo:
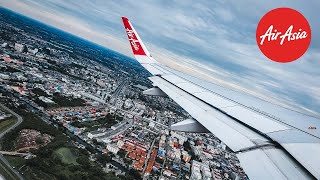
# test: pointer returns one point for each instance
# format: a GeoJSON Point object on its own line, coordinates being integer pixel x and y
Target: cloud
{"type": "Point", "coordinates": [211, 39]}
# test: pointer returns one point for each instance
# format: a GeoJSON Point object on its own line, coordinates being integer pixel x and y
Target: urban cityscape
{"type": "Point", "coordinates": [71, 109]}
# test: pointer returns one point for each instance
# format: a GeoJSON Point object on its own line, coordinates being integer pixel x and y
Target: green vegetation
{"type": "Point", "coordinates": [87, 124]}
{"type": "Point", "coordinates": [6, 172]}
{"type": "Point", "coordinates": [107, 121]}
{"type": "Point", "coordinates": [16, 161]}
{"type": "Point", "coordinates": [104, 158]}
{"type": "Point", "coordinates": [64, 71]}
{"type": "Point", "coordinates": [60, 100]}
{"type": "Point", "coordinates": [77, 66]}
{"type": "Point", "coordinates": [41, 103]}
{"type": "Point", "coordinates": [66, 155]}
{"type": "Point", "coordinates": [63, 101]}
{"type": "Point", "coordinates": [5, 124]}
{"type": "Point", "coordinates": [39, 92]}
{"type": "Point", "coordinates": [9, 69]}
{"type": "Point", "coordinates": [122, 153]}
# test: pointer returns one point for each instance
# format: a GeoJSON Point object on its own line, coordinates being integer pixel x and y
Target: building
{"type": "Point", "coordinates": [216, 174]}
{"type": "Point", "coordinates": [95, 134]}
{"type": "Point", "coordinates": [20, 48]}
{"type": "Point", "coordinates": [181, 138]}
{"type": "Point", "coordinates": [120, 143]}
{"type": "Point", "coordinates": [128, 103]}
{"type": "Point", "coordinates": [46, 100]}
{"type": "Point", "coordinates": [200, 171]}
{"type": "Point", "coordinates": [4, 76]}
{"type": "Point", "coordinates": [186, 156]}
{"type": "Point", "coordinates": [4, 45]}
{"type": "Point", "coordinates": [112, 148]}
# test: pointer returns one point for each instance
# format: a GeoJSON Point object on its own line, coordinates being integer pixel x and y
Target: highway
{"type": "Point", "coordinates": [19, 121]}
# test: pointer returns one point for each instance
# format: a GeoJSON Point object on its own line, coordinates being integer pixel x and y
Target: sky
{"type": "Point", "coordinates": [213, 40]}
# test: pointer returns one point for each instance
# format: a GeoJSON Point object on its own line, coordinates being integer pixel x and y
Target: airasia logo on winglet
{"type": "Point", "coordinates": [132, 39]}
{"type": "Point", "coordinates": [289, 35]}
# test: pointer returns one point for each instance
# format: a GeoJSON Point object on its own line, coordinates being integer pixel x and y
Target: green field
{"type": "Point", "coordinates": [6, 172]}
{"type": "Point", "coordinates": [5, 124]}
{"type": "Point", "coordinates": [66, 156]}
{"type": "Point", "coordinates": [16, 161]}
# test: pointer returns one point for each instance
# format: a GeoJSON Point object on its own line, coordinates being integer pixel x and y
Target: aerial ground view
{"type": "Point", "coordinates": [72, 108]}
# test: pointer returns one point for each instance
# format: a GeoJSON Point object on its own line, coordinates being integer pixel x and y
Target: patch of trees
{"type": "Point", "coordinates": [122, 153]}
{"type": "Point", "coordinates": [64, 101]}
{"type": "Point", "coordinates": [108, 121]}
{"type": "Point", "coordinates": [51, 62]}
{"type": "Point", "coordinates": [62, 70]}
{"type": "Point", "coordinates": [104, 158]}
{"type": "Point", "coordinates": [39, 92]}
{"type": "Point", "coordinates": [77, 66]}
{"type": "Point", "coordinates": [40, 103]}
{"type": "Point", "coordinates": [9, 69]}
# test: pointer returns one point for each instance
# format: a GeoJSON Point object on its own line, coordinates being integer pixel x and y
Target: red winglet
{"type": "Point", "coordinates": [136, 45]}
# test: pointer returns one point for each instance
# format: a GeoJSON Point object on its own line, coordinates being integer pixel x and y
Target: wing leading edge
{"type": "Point", "coordinates": [267, 146]}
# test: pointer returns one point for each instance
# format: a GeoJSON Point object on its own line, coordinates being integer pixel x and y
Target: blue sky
{"type": "Point", "coordinates": [214, 40]}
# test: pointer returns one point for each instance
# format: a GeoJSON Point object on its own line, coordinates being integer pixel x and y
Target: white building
{"type": "Point", "coordinates": [181, 138]}
{"type": "Point", "coordinates": [96, 134]}
{"type": "Point", "coordinates": [112, 148]}
{"type": "Point", "coordinates": [128, 104]}
{"type": "Point", "coordinates": [4, 76]}
{"type": "Point", "coordinates": [46, 100]}
{"type": "Point", "coordinates": [200, 171]}
{"type": "Point", "coordinates": [19, 47]}
{"type": "Point", "coordinates": [120, 143]}
{"type": "Point", "coordinates": [4, 45]}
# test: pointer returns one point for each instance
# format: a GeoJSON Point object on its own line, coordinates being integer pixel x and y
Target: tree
{"type": "Point", "coordinates": [122, 153]}
{"type": "Point", "coordinates": [39, 92]}
{"type": "Point", "coordinates": [186, 145]}
{"type": "Point", "coordinates": [135, 174]}
{"type": "Point", "coordinates": [39, 141]}
{"type": "Point", "coordinates": [103, 159]}
{"type": "Point", "coordinates": [83, 160]}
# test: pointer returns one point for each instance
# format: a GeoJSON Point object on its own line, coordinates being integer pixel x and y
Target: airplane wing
{"type": "Point", "coordinates": [271, 142]}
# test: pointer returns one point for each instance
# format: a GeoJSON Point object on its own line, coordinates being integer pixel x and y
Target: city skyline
{"type": "Point", "coordinates": [229, 56]}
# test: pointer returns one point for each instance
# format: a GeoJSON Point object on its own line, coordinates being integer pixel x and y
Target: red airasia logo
{"type": "Point", "coordinates": [283, 35]}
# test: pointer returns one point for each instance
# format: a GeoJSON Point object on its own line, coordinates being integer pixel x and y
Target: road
{"type": "Point", "coordinates": [118, 91]}
{"type": "Point", "coordinates": [19, 118]}
{"type": "Point", "coordinates": [19, 121]}
{"type": "Point", "coordinates": [14, 153]}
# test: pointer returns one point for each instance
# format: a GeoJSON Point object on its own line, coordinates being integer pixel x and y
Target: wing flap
{"type": "Point", "coordinates": [275, 165]}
